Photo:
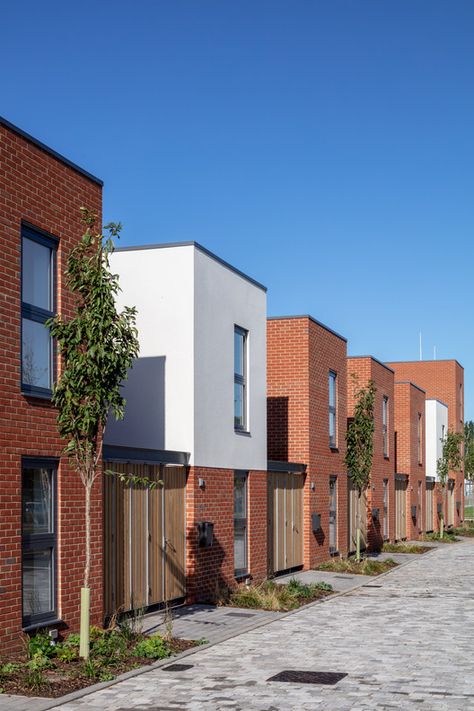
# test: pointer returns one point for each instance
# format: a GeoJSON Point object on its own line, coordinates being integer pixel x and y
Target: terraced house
{"type": "Point", "coordinates": [41, 499]}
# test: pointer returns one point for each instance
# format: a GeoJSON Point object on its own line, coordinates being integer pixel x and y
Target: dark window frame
{"type": "Point", "coordinates": [332, 408]}
{"type": "Point", "coordinates": [41, 541]}
{"type": "Point", "coordinates": [385, 419]}
{"type": "Point", "coordinates": [241, 523]}
{"type": "Point", "coordinates": [420, 438]}
{"type": "Point", "coordinates": [36, 313]}
{"type": "Point", "coordinates": [241, 379]}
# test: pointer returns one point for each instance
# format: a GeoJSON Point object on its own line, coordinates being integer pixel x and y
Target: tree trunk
{"type": "Point", "coordinates": [85, 591]}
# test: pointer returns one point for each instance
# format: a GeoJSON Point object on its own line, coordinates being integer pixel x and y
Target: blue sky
{"type": "Point", "coordinates": [324, 147]}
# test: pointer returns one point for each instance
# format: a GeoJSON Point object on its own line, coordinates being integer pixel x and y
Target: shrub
{"type": "Point", "coordinates": [109, 644]}
{"type": "Point", "coordinates": [66, 653]}
{"type": "Point", "coordinates": [41, 643]}
{"type": "Point", "coordinates": [366, 566]}
{"type": "Point", "coordinates": [153, 647]}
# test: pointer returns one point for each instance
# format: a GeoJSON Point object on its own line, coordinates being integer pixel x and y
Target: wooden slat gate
{"type": "Point", "coordinates": [429, 506]}
{"type": "Point", "coordinates": [357, 517]}
{"type": "Point", "coordinates": [285, 521]}
{"type": "Point", "coordinates": [144, 537]}
{"type": "Point", "coordinates": [400, 507]}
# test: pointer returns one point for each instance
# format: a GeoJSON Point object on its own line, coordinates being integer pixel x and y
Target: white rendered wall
{"type": "Point", "coordinates": [436, 418]}
{"type": "Point", "coordinates": [224, 299]}
{"type": "Point", "coordinates": [159, 392]}
{"type": "Point", "coordinates": [180, 393]}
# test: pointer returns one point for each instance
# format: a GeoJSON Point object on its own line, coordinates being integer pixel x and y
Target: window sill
{"type": "Point", "coordinates": [386, 457]}
{"type": "Point", "coordinates": [241, 577]}
{"type": "Point", "coordinates": [48, 396]}
{"type": "Point", "coordinates": [335, 450]}
{"type": "Point", "coordinates": [243, 433]}
{"type": "Point", "coordinates": [53, 622]}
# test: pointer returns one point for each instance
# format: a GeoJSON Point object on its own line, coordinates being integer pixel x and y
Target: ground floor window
{"type": "Point", "coordinates": [38, 540]}
{"type": "Point", "coordinates": [385, 509]}
{"type": "Point", "coordinates": [240, 523]}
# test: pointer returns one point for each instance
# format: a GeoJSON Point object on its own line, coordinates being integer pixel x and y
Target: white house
{"type": "Point", "coordinates": [436, 430]}
{"type": "Point", "coordinates": [199, 384]}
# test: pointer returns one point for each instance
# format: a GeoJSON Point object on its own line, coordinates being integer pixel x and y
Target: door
{"type": "Point", "coordinates": [429, 507]}
{"type": "Point", "coordinates": [285, 521]}
{"type": "Point", "coordinates": [385, 510]}
{"type": "Point", "coordinates": [420, 507]}
{"type": "Point", "coordinates": [357, 517]}
{"type": "Point", "coordinates": [144, 537]}
{"type": "Point", "coordinates": [332, 514]}
{"type": "Point", "coordinates": [400, 508]}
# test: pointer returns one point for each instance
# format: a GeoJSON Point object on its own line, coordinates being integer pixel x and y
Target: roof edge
{"type": "Point", "coordinates": [376, 360]}
{"type": "Point", "coordinates": [196, 245]}
{"type": "Point", "coordinates": [435, 399]}
{"type": "Point", "coordinates": [438, 360]}
{"type": "Point", "coordinates": [311, 318]}
{"type": "Point", "coordinates": [39, 144]}
{"type": "Point", "coordinates": [409, 382]}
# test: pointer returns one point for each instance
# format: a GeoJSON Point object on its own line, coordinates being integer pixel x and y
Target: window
{"type": "Point", "coordinates": [38, 541]}
{"type": "Point", "coordinates": [385, 425]}
{"type": "Point", "coordinates": [240, 523]}
{"type": "Point", "coordinates": [332, 409]}
{"type": "Point", "coordinates": [461, 403]}
{"type": "Point", "coordinates": [240, 378]}
{"type": "Point", "coordinates": [385, 509]}
{"type": "Point", "coordinates": [38, 259]}
{"type": "Point", "coordinates": [420, 438]}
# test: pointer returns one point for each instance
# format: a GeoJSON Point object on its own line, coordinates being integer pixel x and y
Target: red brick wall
{"type": "Point", "coordinates": [210, 570]}
{"type": "Point", "coordinates": [359, 372]}
{"type": "Point", "coordinates": [41, 190]}
{"type": "Point", "coordinates": [443, 380]}
{"type": "Point", "coordinates": [409, 404]}
{"type": "Point", "coordinates": [300, 354]}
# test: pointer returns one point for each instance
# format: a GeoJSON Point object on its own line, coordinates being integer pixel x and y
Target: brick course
{"type": "Point", "coordinates": [40, 189]}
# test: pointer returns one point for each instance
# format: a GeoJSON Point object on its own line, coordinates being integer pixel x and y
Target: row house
{"type": "Point", "coordinates": [239, 419]}
{"type": "Point", "coordinates": [41, 497]}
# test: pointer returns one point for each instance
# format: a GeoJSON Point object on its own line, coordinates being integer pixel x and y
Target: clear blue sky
{"type": "Point", "coordinates": [324, 147]}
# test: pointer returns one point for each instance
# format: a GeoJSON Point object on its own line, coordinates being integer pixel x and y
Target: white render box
{"type": "Point", "coordinates": [180, 392]}
{"type": "Point", "coordinates": [436, 419]}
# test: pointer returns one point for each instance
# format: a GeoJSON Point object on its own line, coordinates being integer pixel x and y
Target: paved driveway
{"type": "Point", "coordinates": [408, 644]}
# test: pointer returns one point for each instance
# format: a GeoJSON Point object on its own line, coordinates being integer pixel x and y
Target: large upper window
{"type": "Point", "coordinates": [240, 378]}
{"type": "Point", "coordinates": [38, 541]}
{"type": "Point", "coordinates": [420, 438]}
{"type": "Point", "coordinates": [332, 409]}
{"type": "Point", "coordinates": [38, 258]}
{"type": "Point", "coordinates": [385, 425]}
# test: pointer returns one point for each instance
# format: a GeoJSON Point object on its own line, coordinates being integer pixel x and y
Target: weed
{"type": "Point", "coordinates": [41, 643]}
{"type": "Point", "coordinates": [404, 548]}
{"type": "Point", "coordinates": [366, 566]}
{"type": "Point", "coordinates": [131, 626]}
{"type": "Point", "coordinates": [448, 537]}
{"type": "Point", "coordinates": [153, 647]}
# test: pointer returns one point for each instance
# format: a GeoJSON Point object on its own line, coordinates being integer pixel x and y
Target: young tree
{"type": "Point", "coordinates": [450, 460]}
{"type": "Point", "coordinates": [469, 450]}
{"type": "Point", "coordinates": [360, 445]}
{"type": "Point", "coordinates": [97, 346]}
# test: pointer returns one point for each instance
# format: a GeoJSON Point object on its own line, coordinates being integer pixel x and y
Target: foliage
{"type": "Point", "coordinates": [451, 457]}
{"type": "Point", "coordinates": [41, 643]}
{"type": "Point", "coordinates": [404, 548]}
{"type": "Point", "coordinates": [366, 566]}
{"type": "Point", "coordinates": [360, 437]}
{"type": "Point", "coordinates": [131, 625]}
{"type": "Point", "coordinates": [153, 647]}
{"type": "Point", "coordinates": [469, 449]}
{"type": "Point", "coordinates": [445, 537]}
{"type": "Point", "coordinates": [270, 595]}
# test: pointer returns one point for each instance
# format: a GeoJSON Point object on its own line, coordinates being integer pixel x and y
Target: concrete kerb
{"type": "Point", "coordinates": [80, 693]}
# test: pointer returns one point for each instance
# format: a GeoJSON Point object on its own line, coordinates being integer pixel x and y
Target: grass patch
{"type": "Point", "coordinates": [52, 670]}
{"type": "Point", "coordinates": [464, 531]}
{"type": "Point", "coordinates": [367, 566]}
{"type": "Point", "coordinates": [404, 548]}
{"type": "Point", "coordinates": [269, 595]}
{"type": "Point", "coordinates": [469, 512]}
{"type": "Point", "coordinates": [448, 537]}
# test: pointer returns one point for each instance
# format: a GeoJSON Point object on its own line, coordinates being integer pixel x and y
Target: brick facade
{"type": "Point", "coordinates": [211, 570]}
{"type": "Point", "coordinates": [410, 452]}
{"type": "Point", "coordinates": [44, 191]}
{"type": "Point", "coordinates": [300, 354]}
{"type": "Point", "coordinates": [443, 380]}
{"type": "Point", "coordinates": [360, 370]}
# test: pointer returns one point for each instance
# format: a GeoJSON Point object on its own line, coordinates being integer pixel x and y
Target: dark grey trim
{"type": "Point", "coordinates": [440, 360]}
{"type": "Point", "coordinates": [116, 453]}
{"type": "Point", "coordinates": [401, 477]}
{"type": "Point", "coordinates": [311, 318]}
{"type": "Point", "coordinates": [430, 480]}
{"type": "Point", "coordinates": [196, 245]}
{"type": "Point", "coordinates": [50, 151]}
{"type": "Point", "coordinates": [296, 467]}
{"type": "Point", "coordinates": [409, 382]}
{"type": "Point", "coordinates": [376, 360]}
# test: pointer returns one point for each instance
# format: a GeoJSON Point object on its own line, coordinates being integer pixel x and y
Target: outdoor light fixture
{"type": "Point", "coordinates": [313, 486]}
{"type": "Point", "coordinates": [201, 483]}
